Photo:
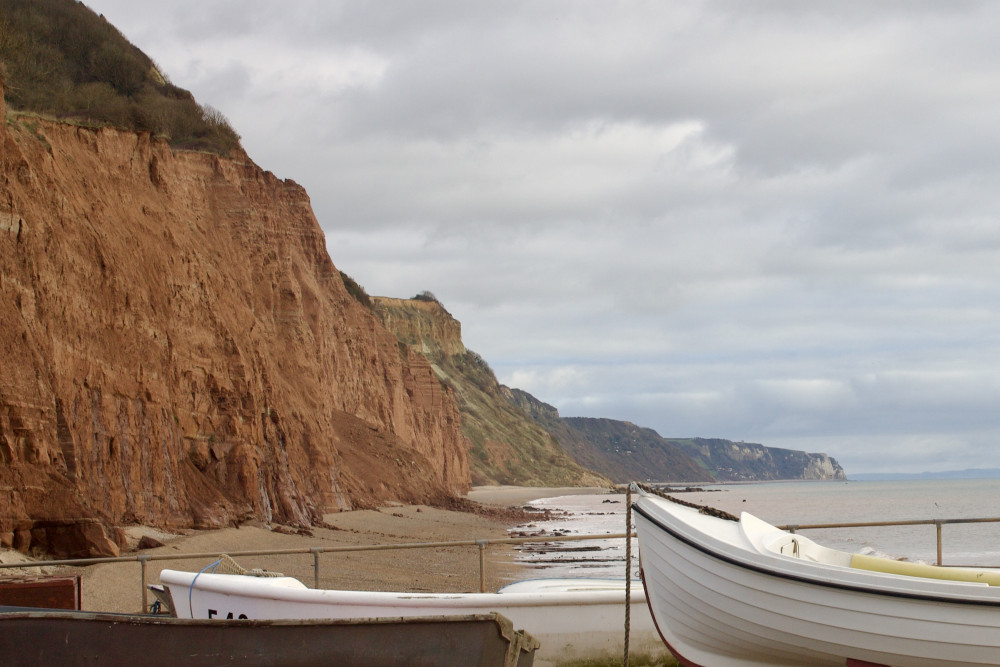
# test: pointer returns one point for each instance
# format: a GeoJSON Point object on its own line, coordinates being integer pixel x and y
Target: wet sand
{"type": "Point", "coordinates": [116, 586]}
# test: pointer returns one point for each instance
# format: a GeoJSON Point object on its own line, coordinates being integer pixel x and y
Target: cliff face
{"type": "Point", "coordinates": [505, 445]}
{"type": "Point", "coordinates": [177, 349]}
{"type": "Point", "coordinates": [626, 452]}
{"type": "Point", "coordinates": [634, 452]}
{"type": "Point", "coordinates": [422, 324]}
{"type": "Point", "coordinates": [746, 461]}
{"type": "Point", "coordinates": [621, 450]}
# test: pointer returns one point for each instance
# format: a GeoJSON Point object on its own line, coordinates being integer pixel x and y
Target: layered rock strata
{"type": "Point", "coordinates": [177, 349]}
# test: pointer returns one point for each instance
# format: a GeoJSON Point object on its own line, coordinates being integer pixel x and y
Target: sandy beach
{"type": "Point", "coordinates": [116, 586]}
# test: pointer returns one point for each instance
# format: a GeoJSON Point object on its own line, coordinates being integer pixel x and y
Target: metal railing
{"type": "Point", "coordinates": [939, 523]}
{"type": "Point", "coordinates": [480, 544]}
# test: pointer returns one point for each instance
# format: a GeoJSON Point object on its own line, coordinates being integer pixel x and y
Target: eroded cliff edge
{"type": "Point", "coordinates": [179, 350]}
{"type": "Point", "coordinates": [505, 445]}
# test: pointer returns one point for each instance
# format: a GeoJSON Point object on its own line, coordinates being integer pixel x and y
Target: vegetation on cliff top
{"type": "Point", "coordinates": [429, 297]}
{"type": "Point", "coordinates": [62, 59]}
{"type": "Point", "coordinates": [356, 291]}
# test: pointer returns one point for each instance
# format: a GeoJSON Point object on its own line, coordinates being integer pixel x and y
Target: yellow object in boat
{"type": "Point", "coordinates": [908, 569]}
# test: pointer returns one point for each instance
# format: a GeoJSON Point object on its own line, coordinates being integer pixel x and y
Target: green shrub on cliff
{"type": "Point", "coordinates": [64, 60]}
{"type": "Point", "coordinates": [356, 291]}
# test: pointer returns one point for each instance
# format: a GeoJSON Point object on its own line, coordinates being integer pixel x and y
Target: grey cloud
{"type": "Point", "coordinates": [771, 221]}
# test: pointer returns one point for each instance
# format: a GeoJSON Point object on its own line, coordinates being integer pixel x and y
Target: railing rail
{"type": "Point", "coordinates": [480, 544]}
{"type": "Point", "coordinates": [939, 523]}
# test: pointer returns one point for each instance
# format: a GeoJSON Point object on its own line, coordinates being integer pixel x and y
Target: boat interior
{"type": "Point", "coordinates": [769, 539]}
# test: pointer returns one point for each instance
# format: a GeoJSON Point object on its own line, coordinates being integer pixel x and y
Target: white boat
{"type": "Point", "coordinates": [726, 592]}
{"type": "Point", "coordinates": [571, 618]}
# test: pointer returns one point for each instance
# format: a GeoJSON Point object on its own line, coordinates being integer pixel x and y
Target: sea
{"type": "Point", "coordinates": [785, 503]}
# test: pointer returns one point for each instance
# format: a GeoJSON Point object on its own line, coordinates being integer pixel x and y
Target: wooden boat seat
{"type": "Point", "coordinates": [906, 568]}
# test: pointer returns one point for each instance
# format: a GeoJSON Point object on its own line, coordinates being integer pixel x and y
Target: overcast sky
{"type": "Point", "coordinates": [776, 222]}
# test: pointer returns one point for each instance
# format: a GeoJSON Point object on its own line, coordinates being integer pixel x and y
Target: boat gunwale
{"type": "Point", "coordinates": [815, 580]}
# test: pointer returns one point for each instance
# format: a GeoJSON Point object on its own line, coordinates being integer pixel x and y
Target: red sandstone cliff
{"type": "Point", "coordinates": [178, 349]}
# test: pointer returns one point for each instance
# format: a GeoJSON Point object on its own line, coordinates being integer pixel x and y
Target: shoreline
{"type": "Point", "coordinates": [115, 587]}
{"type": "Point", "coordinates": [522, 495]}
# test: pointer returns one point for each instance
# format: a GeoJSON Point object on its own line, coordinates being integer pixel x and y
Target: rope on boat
{"type": "Point", "coordinates": [191, 589]}
{"type": "Point", "coordinates": [227, 565]}
{"type": "Point", "coordinates": [703, 509]}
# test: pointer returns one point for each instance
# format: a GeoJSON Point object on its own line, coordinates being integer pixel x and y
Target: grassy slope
{"type": "Point", "coordinates": [62, 60]}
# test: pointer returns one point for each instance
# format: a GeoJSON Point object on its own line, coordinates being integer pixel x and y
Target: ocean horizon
{"type": "Point", "coordinates": [968, 473]}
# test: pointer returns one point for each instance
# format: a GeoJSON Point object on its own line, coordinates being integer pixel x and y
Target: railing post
{"type": "Point", "coordinates": [628, 572]}
{"type": "Point", "coordinates": [792, 527]}
{"type": "Point", "coordinates": [316, 551]}
{"type": "Point", "coordinates": [482, 565]}
{"type": "Point", "coordinates": [938, 523]}
{"type": "Point", "coordinates": [143, 559]}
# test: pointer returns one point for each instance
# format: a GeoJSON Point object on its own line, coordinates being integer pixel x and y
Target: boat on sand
{"type": "Point", "coordinates": [571, 618]}
{"type": "Point", "coordinates": [739, 592]}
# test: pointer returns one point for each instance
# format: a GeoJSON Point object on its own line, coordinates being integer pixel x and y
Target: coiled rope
{"type": "Point", "coordinates": [229, 566]}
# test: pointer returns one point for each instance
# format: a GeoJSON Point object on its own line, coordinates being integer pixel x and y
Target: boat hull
{"type": "Point", "coordinates": [45, 637]}
{"type": "Point", "coordinates": [717, 602]}
{"type": "Point", "coordinates": [571, 618]}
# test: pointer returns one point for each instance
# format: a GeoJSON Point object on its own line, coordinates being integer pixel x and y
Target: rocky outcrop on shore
{"type": "Point", "coordinates": [179, 350]}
